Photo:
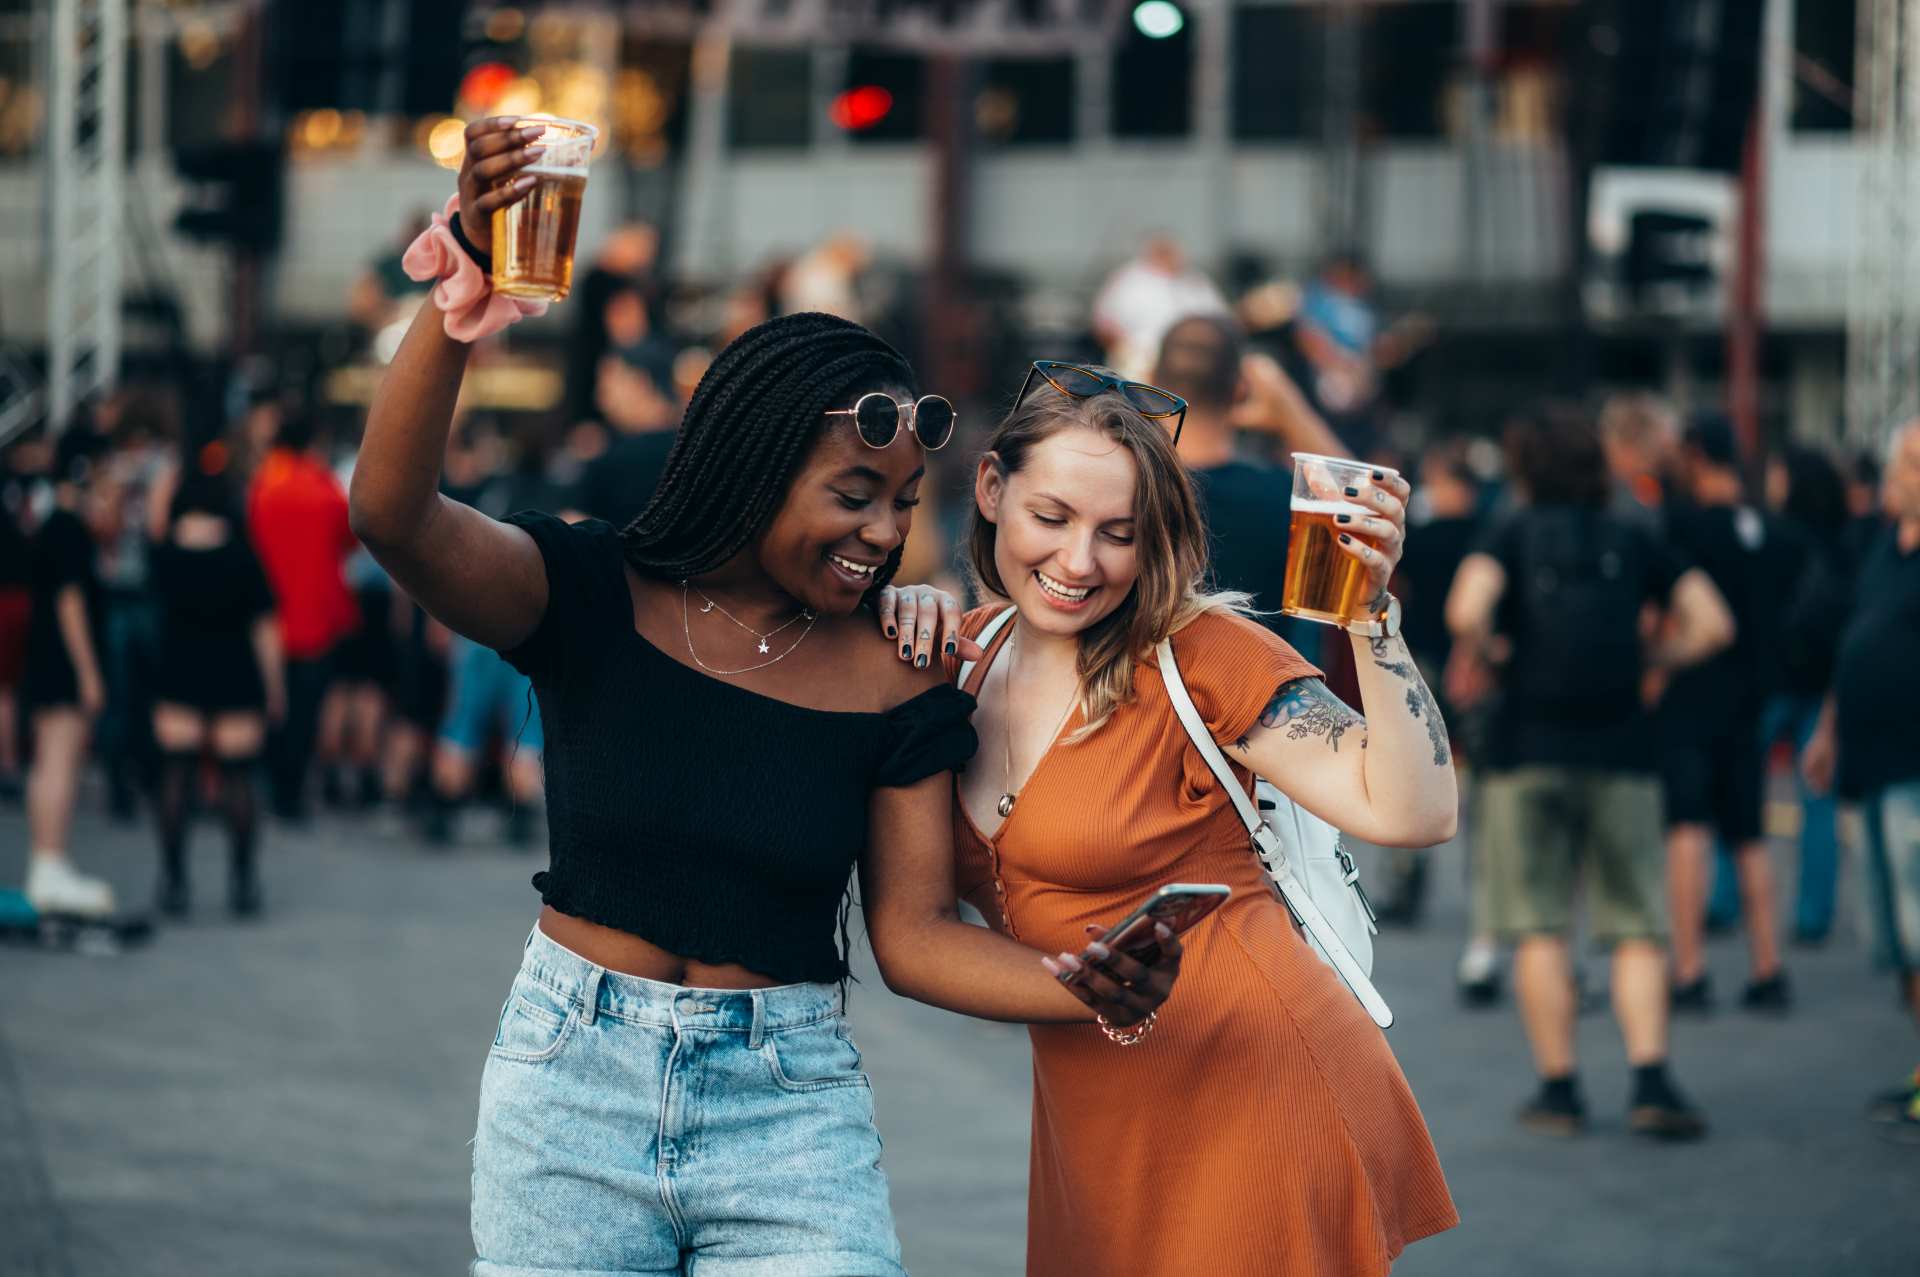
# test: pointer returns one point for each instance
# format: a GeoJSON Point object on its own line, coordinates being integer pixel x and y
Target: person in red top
{"type": "Point", "coordinates": [297, 517]}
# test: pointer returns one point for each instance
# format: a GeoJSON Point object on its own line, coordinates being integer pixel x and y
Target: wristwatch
{"type": "Point", "coordinates": [1382, 624]}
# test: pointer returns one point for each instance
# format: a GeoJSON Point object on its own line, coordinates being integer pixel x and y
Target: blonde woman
{"type": "Point", "coordinates": [1259, 1123]}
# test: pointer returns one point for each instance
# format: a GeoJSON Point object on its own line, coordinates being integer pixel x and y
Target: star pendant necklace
{"type": "Point", "coordinates": [686, 623]}
{"type": "Point", "coordinates": [1012, 794]}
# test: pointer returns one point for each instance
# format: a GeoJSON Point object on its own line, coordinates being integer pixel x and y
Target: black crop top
{"type": "Point", "coordinates": [713, 821]}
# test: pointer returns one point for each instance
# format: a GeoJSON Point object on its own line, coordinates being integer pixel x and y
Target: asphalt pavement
{"type": "Point", "coordinates": [296, 1095]}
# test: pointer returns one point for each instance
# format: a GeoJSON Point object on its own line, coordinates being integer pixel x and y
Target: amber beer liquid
{"type": "Point", "coordinates": [1324, 582]}
{"type": "Point", "coordinates": [533, 238]}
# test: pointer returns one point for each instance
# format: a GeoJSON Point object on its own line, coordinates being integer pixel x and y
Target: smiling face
{"type": "Point", "coordinates": [1064, 527]}
{"type": "Point", "coordinates": [847, 511]}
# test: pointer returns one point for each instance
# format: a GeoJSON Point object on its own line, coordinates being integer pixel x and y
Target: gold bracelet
{"type": "Point", "coordinates": [1127, 1037]}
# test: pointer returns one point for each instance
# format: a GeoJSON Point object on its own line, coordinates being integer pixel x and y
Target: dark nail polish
{"type": "Point", "coordinates": [1378, 476]}
{"type": "Point", "coordinates": [892, 632]}
{"type": "Point", "coordinates": [952, 647]}
{"type": "Point", "coordinates": [1345, 539]}
{"type": "Point", "coordinates": [920, 661]}
{"type": "Point", "coordinates": [905, 650]}
{"type": "Point", "coordinates": [1343, 518]}
{"type": "Point", "coordinates": [1352, 492]}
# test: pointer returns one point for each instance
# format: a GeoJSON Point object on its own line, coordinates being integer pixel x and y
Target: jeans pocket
{"type": "Point", "coordinates": [816, 1057]}
{"type": "Point", "coordinates": [534, 1024]}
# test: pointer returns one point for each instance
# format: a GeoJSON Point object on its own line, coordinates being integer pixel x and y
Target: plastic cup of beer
{"type": "Point", "coordinates": [1324, 582]}
{"type": "Point", "coordinates": [533, 237]}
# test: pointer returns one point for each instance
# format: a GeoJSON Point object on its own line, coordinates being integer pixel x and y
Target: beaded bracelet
{"type": "Point", "coordinates": [1127, 1037]}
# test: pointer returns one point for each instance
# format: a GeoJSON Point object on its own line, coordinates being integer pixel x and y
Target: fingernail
{"type": "Point", "coordinates": [1377, 476]}
{"type": "Point", "coordinates": [952, 647]}
{"type": "Point", "coordinates": [1050, 964]}
{"type": "Point", "coordinates": [1343, 518]}
{"type": "Point", "coordinates": [905, 650]}
{"type": "Point", "coordinates": [1352, 492]}
{"type": "Point", "coordinates": [1099, 950]}
{"type": "Point", "coordinates": [892, 632]}
{"type": "Point", "coordinates": [1345, 539]}
{"type": "Point", "coordinates": [1071, 963]}
{"type": "Point", "coordinates": [920, 661]}
{"type": "Point", "coordinates": [1162, 930]}
{"type": "Point", "coordinates": [526, 183]}
{"type": "Point", "coordinates": [532, 130]}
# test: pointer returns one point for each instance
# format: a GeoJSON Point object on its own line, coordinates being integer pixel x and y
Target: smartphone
{"type": "Point", "coordinates": [1178, 904]}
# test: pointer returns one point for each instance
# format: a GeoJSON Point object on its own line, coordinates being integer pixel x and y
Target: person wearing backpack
{"type": "Point", "coordinates": [1557, 599]}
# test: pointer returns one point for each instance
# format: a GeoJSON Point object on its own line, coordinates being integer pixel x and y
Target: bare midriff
{"type": "Point", "coordinates": [628, 954]}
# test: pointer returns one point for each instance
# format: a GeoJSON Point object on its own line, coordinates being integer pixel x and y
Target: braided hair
{"type": "Point", "coordinates": [747, 431]}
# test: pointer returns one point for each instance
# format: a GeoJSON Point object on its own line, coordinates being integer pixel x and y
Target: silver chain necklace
{"type": "Point", "coordinates": [804, 614]}
{"type": "Point", "coordinates": [1012, 794]}
{"type": "Point", "coordinates": [686, 624]}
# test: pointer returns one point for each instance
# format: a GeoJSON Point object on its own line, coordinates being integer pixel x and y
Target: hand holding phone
{"type": "Point", "coordinates": [1129, 971]}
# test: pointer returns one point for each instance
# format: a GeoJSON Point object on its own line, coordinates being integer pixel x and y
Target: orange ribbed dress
{"type": "Point", "coordinates": [1263, 1129]}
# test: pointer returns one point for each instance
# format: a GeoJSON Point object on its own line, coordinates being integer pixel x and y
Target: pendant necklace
{"type": "Point", "coordinates": [686, 624]}
{"type": "Point", "coordinates": [804, 614]}
{"type": "Point", "coordinates": [1008, 798]}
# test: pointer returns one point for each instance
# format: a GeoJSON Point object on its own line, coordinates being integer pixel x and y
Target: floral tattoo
{"type": "Point", "coordinates": [1306, 708]}
{"type": "Point", "coordinates": [1420, 702]}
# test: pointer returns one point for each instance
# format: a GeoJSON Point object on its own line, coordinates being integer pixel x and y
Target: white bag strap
{"type": "Point", "coordinates": [1203, 741]}
{"type": "Point", "coordinates": [1297, 898]}
{"type": "Point", "coordinates": [985, 639]}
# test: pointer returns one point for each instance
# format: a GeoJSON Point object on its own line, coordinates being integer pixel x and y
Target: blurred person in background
{"type": "Point", "coordinates": [1713, 766]}
{"type": "Point", "coordinates": [1806, 490]}
{"type": "Point", "coordinates": [382, 292]}
{"type": "Point", "coordinates": [1641, 435]}
{"type": "Point", "coordinates": [220, 681]}
{"type": "Point", "coordinates": [1446, 515]}
{"type": "Point", "coordinates": [643, 415]}
{"type": "Point", "coordinates": [297, 520]}
{"type": "Point", "coordinates": [353, 715]}
{"type": "Point", "coordinates": [1146, 296]}
{"type": "Point", "coordinates": [625, 265]}
{"type": "Point", "coordinates": [64, 687]}
{"type": "Point", "coordinates": [16, 609]}
{"type": "Point", "coordinates": [1568, 802]}
{"type": "Point", "coordinates": [827, 279]}
{"type": "Point", "coordinates": [1866, 502]}
{"type": "Point", "coordinates": [139, 464]}
{"type": "Point", "coordinates": [1867, 730]}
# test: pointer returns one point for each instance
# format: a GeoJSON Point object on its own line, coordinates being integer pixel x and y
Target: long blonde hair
{"type": "Point", "coordinates": [1169, 537]}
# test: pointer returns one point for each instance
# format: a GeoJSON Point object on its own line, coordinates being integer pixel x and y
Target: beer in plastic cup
{"type": "Point", "coordinates": [533, 238]}
{"type": "Point", "coordinates": [1324, 582]}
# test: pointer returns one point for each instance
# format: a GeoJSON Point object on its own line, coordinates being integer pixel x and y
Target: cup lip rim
{"type": "Point", "coordinates": [591, 131]}
{"type": "Point", "coordinates": [1342, 461]}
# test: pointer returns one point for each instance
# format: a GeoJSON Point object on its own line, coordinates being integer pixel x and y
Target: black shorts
{"type": "Point", "coordinates": [1720, 783]}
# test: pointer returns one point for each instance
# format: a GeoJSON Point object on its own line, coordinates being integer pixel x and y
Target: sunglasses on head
{"type": "Point", "coordinates": [877, 419]}
{"type": "Point", "coordinates": [1079, 382]}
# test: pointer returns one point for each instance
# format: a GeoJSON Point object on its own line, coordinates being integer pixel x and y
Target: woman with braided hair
{"type": "Point", "coordinates": [671, 1088]}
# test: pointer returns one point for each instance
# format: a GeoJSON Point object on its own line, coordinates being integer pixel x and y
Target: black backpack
{"type": "Point", "coordinates": [1579, 583]}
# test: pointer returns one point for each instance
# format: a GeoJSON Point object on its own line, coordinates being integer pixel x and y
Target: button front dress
{"type": "Point", "coordinates": [1264, 1127]}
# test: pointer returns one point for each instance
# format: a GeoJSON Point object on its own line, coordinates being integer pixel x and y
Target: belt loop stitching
{"type": "Point", "coordinates": [759, 1031]}
{"type": "Point", "coordinates": [590, 995]}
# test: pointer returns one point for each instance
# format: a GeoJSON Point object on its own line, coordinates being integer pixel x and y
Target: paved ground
{"type": "Point", "coordinates": [295, 1097]}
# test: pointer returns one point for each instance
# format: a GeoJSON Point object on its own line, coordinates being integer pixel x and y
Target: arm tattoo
{"type": "Point", "coordinates": [1420, 702]}
{"type": "Point", "coordinates": [1306, 708]}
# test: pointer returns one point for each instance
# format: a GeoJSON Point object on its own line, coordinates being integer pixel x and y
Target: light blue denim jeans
{"type": "Point", "coordinates": [630, 1126]}
{"type": "Point", "coordinates": [1893, 874]}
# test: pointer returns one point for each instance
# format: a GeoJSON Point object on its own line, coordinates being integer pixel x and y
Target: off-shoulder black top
{"type": "Point", "coordinates": [713, 821]}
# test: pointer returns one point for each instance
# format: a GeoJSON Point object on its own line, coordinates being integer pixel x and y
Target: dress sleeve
{"type": "Point", "coordinates": [929, 734]}
{"type": "Point", "coordinates": [586, 591]}
{"type": "Point", "coordinates": [1232, 667]}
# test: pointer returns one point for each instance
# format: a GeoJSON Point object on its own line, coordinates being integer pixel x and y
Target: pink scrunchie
{"type": "Point", "coordinates": [465, 292]}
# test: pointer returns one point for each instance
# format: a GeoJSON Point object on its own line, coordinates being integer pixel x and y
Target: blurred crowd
{"type": "Point", "coordinates": [1641, 628]}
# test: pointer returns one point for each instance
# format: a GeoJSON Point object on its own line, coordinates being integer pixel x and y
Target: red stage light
{"type": "Point", "coordinates": [861, 108]}
{"type": "Point", "coordinates": [483, 85]}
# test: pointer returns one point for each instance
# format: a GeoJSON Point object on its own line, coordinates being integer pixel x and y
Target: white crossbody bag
{"type": "Point", "coordinates": [1309, 868]}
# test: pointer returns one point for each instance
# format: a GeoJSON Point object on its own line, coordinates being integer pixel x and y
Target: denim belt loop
{"type": "Point", "coordinates": [759, 1032]}
{"type": "Point", "coordinates": [590, 995]}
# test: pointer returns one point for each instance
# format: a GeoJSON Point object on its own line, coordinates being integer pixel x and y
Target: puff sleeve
{"type": "Point", "coordinates": [929, 734]}
{"type": "Point", "coordinates": [586, 591]}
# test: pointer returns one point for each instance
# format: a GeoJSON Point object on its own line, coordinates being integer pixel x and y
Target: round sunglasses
{"type": "Point", "coordinates": [1081, 382]}
{"type": "Point", "coordinates": [877, 419]}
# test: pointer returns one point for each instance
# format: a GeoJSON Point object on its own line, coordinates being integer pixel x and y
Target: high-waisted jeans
{"type": "Point", "coordinates": [630, 1126]}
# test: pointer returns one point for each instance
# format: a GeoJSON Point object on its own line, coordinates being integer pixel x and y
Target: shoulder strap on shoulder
{"type": "Point", "coordinates": [985, 639]}
{"type": "Point", "coordinates": [1203, 741]}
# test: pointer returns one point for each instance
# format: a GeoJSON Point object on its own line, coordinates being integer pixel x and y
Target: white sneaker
{"type": "Point", "coordinates": [1479, 963]}
{"type": "Point", "coordinates": [54, 886]}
